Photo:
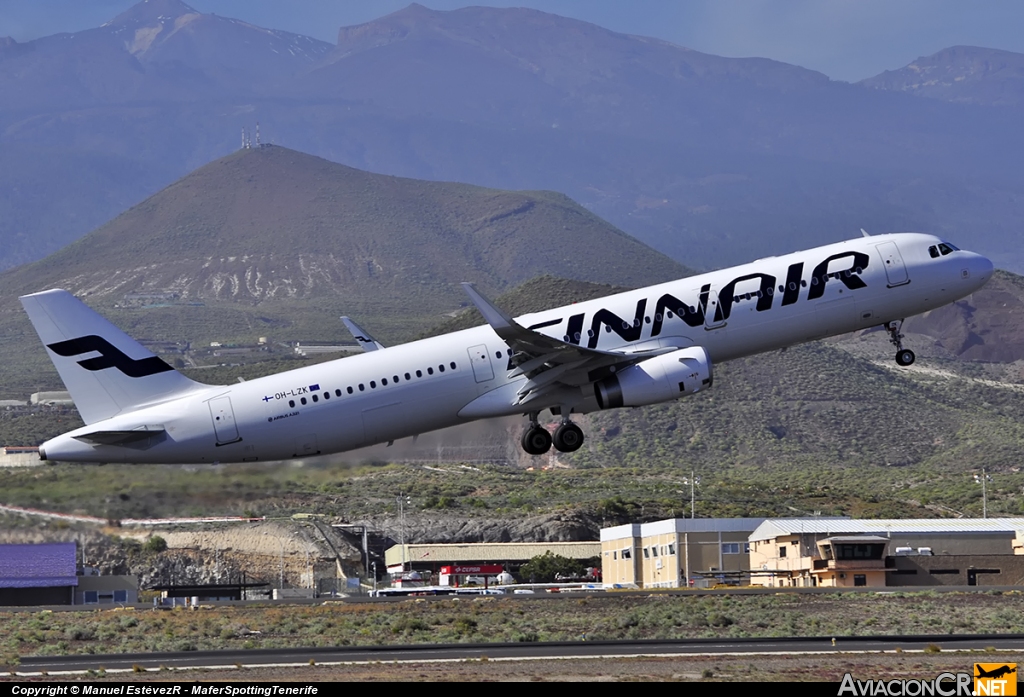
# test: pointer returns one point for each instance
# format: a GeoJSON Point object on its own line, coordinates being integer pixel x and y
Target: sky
{"type": "Point", "coordinates": [844, 39]}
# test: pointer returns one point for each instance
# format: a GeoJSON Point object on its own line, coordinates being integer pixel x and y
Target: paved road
{"type": "Point", "coordinates": [539, 650]}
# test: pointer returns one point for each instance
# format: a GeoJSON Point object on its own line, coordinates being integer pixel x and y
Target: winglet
{"type": "Point", "coordinates": [864, 232]}
{"type": "Point", "coordinates": [362, 337]}
{"type": "Point", "coordinates": [501, 323]}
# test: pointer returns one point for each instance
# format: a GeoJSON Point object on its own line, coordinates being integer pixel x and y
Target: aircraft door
{"type": "Point", "coordinates": [223, 420]}
{"type": "Point", "coordinates": [481, 362]}
{"type": "Point", "coordinates": [713, 312]}
{"type": "Point", "coordinates": [892, 260]}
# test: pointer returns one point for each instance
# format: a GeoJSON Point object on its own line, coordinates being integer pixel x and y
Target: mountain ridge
{"type": "Point", "coordinates": [710, 160]}
{"type": "Point", "coordinates": [964, 74]}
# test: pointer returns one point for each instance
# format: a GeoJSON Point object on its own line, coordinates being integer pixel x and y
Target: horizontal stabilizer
{"type": "Point", "coordinates": [119, 437]}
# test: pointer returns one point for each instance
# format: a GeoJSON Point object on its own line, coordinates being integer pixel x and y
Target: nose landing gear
{"type": "Point", "coordinates": [904, 357]}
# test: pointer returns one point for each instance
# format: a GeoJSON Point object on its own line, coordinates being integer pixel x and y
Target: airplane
{"type": "Point", "coordinates": [641, 347]}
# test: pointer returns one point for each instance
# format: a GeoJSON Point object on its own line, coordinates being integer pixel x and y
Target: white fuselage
{"type": "Point", "coordinates": [404, 390]}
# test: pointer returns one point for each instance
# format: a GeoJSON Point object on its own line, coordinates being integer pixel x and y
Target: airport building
{"type": "Point", "coordinates": [430, 558]}
{"type": "Point", "coordinates": [814, 552]}
{"type": "Point", "coordinates": [48, 574]}
{"type": "Point", "coordinates": [831, 552]}
{"type": "Point", "coordinates": [678, 552]}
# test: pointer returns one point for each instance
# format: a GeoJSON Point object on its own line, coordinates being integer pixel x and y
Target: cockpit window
{"type": "Point", "coordinates": [947, 249]}
{"type": "Point", "coordinates": [933, 251]}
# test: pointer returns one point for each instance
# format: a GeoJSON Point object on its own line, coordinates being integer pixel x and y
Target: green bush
{"type": "Point", "coordinates": [155, 544]}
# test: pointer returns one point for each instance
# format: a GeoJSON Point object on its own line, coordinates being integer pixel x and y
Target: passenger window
{"type": "Point", "coordinates": [430, 371]}
{"type": "Point", "coordinates": [316, 398]}
{"type": "Point", "coordinates": [441, 368]}
{"type": "Point", "coordinates": [303, 400]}
{"type": "Point", "coordinates": [291, 403]}
{"type": "Point", "coordinates": [452, 364]}
{"type": "Point", "coordinates": [349, 390]}
{"type": "Point", "coordinates": [337, 393]}
{"type": "Point", "coordinates": [394, 379]}
{"type": "Point", "coordinates": [407, 377]}
{"type": "Point", "coordinates": [419, 373]}
{"type": "Point", "coordinates": [383, 382]}
{"type": "Point", "coordinates": [327, 395]}
{"type": "Point", "coordinates": [362, 388]}
{"type": "Point", "coordinates": [373, 384]}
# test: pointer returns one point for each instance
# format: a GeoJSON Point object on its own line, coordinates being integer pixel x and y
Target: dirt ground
{"type": "Point", "coordinates": [747, 668]}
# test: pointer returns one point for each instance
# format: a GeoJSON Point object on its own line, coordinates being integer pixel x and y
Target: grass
{"type": "Point", "coordinates": [601, 617]}
{"type": "Point", "coordinates": [602, 495]}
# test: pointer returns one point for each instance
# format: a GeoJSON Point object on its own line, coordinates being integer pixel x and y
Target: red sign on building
{"type": "Point", "coordinates": [478, 570]}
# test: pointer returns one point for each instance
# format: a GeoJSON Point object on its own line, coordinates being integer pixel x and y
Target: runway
{"type": "Point", "coordinates": [34, 665]}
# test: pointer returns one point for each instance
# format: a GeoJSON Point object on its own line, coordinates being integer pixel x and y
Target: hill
{"type": "Point", "coordinates": [272, 242]}
{"type": "Point", "coordinates": [967, 74]}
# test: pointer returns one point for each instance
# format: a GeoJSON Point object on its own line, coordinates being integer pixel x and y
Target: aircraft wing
{"type": "Point", "coordinates": [362, 337]}
{"type": "Point", "coordinates": [548, 362]}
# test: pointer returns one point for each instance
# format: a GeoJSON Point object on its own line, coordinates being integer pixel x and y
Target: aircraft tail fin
{"type": "Point", "coordinates": [362, 337]}
{"type": "Point", "coordinates": [106, 371]}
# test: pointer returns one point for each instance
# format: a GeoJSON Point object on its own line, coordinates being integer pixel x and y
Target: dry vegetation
{"type": "Point", "coordinates": [632, 616]}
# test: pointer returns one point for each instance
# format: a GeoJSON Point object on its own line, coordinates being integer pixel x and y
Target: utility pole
{"type": "Point", "coordinates": [402, 500]}
{"type": "Point", "coordinates": [694, 482]}
{"type": "Point", "coordinates": [984, 491]}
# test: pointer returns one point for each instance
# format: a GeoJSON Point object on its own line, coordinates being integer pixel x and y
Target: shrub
{"type": "Point", "coordinates": [155, 544]}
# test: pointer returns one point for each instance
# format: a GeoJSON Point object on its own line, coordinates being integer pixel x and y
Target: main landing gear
{"type": "Point", "coordinates": [904, 357]}
{"type": "Point", "coordinates": [536, 440]}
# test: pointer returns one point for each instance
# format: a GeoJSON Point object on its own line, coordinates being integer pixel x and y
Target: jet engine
{"type": "Point", "coordinates": [658, 379]}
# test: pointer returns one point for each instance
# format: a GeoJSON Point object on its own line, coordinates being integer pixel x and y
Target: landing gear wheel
{"type": "Point", "coordinates": [536, 440]}
{"type": "Point", "coordinates": [905, 357]}
{"type": "Point", "coordinates": [568, 437]}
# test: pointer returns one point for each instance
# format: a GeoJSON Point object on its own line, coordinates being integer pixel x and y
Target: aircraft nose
{"type": "Point", "coordinates": [977, 269]}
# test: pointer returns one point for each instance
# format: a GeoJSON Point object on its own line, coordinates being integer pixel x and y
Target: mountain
{"type": "Point", "coordinates": [967, 74]}
{"type": "Point", "coordinates": [711, 160]}
{"type": "Point", "coordinates": [156, 51]}
{"type": "Point", "coordinates": [524, 67]}
{"type": "Point", "coordinates": [269, 223]}
{"type": "Point", "coordinates": [272, 242]}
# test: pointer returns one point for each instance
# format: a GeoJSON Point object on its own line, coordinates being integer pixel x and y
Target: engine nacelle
{"type": "Point", "coordinates": [658, 379]}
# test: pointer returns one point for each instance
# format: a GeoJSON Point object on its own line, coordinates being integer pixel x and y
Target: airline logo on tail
{"type": "Point", "coordinates": [110, 357]}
